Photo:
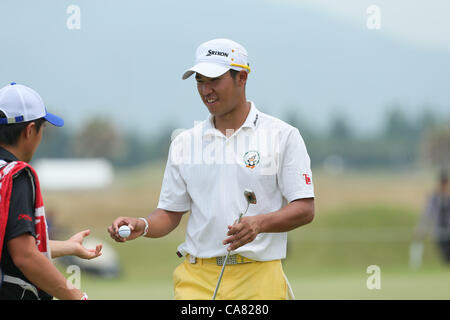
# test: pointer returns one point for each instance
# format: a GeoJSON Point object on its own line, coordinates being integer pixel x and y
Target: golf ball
{"type": "Point", "coordinates": [124, 231]}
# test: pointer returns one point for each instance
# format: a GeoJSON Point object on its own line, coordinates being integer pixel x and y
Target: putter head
{"type": "Point", "coordinates": [250, 196]}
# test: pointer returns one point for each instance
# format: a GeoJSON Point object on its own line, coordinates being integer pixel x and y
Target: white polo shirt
{"type": "Point", "coordinates": [207, 173]}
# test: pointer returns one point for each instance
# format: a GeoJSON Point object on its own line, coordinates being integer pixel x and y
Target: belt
{"type": "Point", "coordinates": [232, 259]}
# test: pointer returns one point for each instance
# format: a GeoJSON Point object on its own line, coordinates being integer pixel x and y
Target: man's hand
{"type": "Point", "coordinates": [76, 241]}
{"type": "Point", "coordinates": [137, 227]}
{"type": "Point", "coordinates": [243, 232]}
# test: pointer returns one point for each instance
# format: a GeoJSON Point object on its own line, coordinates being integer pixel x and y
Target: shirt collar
{"type": "Point", "coordinates": [250, 122]}
{"type": "Point", "coordinates": [6, 155]}
{"type": "Point", "coordinates": [252, 117]}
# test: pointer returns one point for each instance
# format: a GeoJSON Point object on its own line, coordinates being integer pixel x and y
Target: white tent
{"type": "Point", "coordinates": [74, 174]}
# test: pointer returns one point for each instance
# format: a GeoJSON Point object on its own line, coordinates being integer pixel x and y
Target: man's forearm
{"type": "Point", "coordinates": [162, 222]}
{"type": "Point", "coordinates": [295, 214]}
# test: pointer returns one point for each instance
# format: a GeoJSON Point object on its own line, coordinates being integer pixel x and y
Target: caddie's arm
{"type": "Point", "coordinates": [74, 247]}
{"type": "Point", "coordinates": [160, 223]}
{"type": "Point", "coordinates": [38, 269]}
{"type": "Point", "coordinates": [297, 213]}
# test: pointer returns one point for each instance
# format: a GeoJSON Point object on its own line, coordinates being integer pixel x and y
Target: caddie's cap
{"type": "Point", "coordinates": [215, 57]}
{"type": "Point", "coordinates": [20, 104]}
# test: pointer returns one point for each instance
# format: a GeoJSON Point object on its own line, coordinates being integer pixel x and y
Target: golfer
{"type": "Point", "coordinates": [26, 271]}
{"type": "Point", "coordinates": [209, 167]}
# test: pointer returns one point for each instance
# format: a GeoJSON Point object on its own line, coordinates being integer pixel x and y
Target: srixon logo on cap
{"type": "Point", "coordinates": [216, 53]}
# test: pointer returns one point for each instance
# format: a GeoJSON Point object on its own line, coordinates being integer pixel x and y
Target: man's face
{"type": "Point", "coordinates": [220, 95]}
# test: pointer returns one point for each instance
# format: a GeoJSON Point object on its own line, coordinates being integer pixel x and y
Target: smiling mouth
{"type": "Point", "coordinates": [211, 100]}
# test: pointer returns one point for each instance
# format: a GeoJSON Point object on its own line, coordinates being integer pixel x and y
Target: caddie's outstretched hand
{"type": "Point", "coordinates": [136, 226]}
{"type": "Point", "coordinates": [80, 251]}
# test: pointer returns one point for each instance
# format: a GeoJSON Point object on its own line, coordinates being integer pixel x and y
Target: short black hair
{"type": "Point", "coordinates": [233, 73]}
{"type": "Point", "coordinates": [10, 133]}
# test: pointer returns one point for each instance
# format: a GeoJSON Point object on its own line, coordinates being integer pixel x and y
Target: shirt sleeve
{"type": "Point", "coordinates": [174, 195]}
{"type": "Point", "coordinates": [21, 208]}
{"type": "Point", "coordinates": [294, 175]}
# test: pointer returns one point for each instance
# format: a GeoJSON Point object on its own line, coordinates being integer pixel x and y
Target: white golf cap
{"type": "Point", "coordinates": [215, 57]}
{"type": "Point", "coordinates": [20, 104]}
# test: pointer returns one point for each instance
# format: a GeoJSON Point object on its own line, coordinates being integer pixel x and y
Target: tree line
{"type": "Point", "coordinates": [401, 142]}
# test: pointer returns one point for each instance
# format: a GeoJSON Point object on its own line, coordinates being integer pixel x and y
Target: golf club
{"type": "Point", "coordinates": [251, 198]}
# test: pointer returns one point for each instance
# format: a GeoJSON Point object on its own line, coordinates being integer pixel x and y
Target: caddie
{"type": "Point", "coordinates": [209, 166]}
{"type": "Point", "coordinates": [26, 270]}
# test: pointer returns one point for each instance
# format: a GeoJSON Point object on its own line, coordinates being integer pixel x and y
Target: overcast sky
{"type": "Point", "coordinates": [316, 58]}
{"type": "Point", "coordinates": [419, 22]}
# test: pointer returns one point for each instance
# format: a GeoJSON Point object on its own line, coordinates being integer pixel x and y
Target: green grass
{"type": "Point", "coordinates": [327, 259]}
{"type": "Point", "coordinates": [362, 219]}
{"type": "Point", "coordinates": [353, 237]}
{"type": "Point", "coordinates": [394, 285]}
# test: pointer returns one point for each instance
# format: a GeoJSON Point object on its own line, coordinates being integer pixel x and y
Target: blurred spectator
{"type": "Point", "coordinates": [437, 212]}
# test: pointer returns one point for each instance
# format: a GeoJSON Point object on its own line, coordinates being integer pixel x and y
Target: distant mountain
{"type": "Point", "coordinates": [126, 61]}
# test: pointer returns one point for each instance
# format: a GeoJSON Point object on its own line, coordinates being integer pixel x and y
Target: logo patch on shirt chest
{"type": "Point", "coordinates": [251, 159]}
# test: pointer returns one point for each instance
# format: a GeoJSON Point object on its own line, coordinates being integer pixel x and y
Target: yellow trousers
{"type": "Point", "coordinates": [248, 281]}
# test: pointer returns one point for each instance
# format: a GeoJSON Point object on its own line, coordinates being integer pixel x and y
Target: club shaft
{"type": "Point", "coordinates": [225, 261]}
{"type": "Point", "coordinates": [220, 276]}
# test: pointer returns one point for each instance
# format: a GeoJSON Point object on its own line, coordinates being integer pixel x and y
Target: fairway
{"type": "Point", "coordinates": [147, 278]}
{"type": "Point", "coordinates": [396, 285]}
{"type": "Point", "coordinates": [358, 223]}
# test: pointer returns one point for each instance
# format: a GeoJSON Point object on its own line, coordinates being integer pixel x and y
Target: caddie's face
{"type": "Point", "coordinates": [220, 95]}
{"type": "Point", "coordinates": [34, 140]}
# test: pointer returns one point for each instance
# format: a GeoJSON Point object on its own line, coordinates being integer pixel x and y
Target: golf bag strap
{"type": "Point", "coordinates": [23, 284]}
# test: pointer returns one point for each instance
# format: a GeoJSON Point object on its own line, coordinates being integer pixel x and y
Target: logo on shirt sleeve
{"type": "Point", "coordinates": [307, 178]}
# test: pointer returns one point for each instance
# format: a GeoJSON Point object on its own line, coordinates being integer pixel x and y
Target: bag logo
{"type": "Point", "coordinates": [23, 216]}
{"type": "Point", "coordinates": [251, 159]}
